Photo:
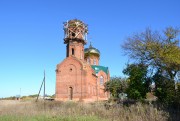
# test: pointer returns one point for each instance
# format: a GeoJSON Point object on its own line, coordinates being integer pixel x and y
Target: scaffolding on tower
{"type": "Point", "coordinates": [75, 30]}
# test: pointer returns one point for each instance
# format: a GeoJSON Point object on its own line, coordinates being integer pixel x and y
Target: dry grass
{"type": "Point", "coordinates": [71, 111]}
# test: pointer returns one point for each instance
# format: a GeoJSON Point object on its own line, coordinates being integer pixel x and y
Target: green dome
{"type": "Point", "coordinates": [91, 50]}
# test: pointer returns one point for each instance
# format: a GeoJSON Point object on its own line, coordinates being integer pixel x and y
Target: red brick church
{"type": "Point", "coordinates": [79, 76]}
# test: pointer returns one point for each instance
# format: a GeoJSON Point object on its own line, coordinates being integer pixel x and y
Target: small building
{"type": "Point", "coordinates": [18, 97]}
{"type": "Point", "coordinates": [79, 76]}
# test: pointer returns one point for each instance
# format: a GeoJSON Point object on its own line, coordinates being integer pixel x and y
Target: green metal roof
{"type": "Point", "coordinates": [99, 68]}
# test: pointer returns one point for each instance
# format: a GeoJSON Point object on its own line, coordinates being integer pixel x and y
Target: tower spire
{"type": "Point", "coordinates": [90, 46]}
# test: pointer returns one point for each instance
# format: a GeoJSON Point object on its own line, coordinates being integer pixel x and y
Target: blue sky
{"type": "Point", "coordinates": [31, 35]}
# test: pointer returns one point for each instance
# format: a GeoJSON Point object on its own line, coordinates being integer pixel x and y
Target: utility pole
{"type": "Point", "coordinates": [44, 90]}
{"type": "Point", "coordinates": [44, 86]}
{"type": "Point", "coordinates": [43, 82]}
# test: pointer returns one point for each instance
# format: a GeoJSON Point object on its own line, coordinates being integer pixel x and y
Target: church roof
{"type": "Point", "coordinates": [100, 68]}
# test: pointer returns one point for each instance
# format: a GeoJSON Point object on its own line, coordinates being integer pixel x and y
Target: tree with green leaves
{"type": "Point", "coordinates": [178, 93]}
{"type": "Point", "coordinates": [156, 50]}
{"type": "Point", "coordinates": [164, 89]}
{"type": "Point", "coordinates": [138, 81]}
{"type": "Point", "coordinates": [115, 86]}
{"type": "Point", "coordinates": [160, 51]}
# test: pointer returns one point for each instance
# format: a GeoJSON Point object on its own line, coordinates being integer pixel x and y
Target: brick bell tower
{"type": "Point", "coordinates": [71, 77]}
{"type": "Point", "coordinates": [75, 32]}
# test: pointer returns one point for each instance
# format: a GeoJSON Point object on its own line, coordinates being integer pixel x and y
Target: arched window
{"type": "Point", "coordinates": [101, 80]}
{"type": "Point", "coordinates": [88, 60]}
{"type": "Point", "coordinates": [94, 62]}
{"type": "Point", "coordinates": [72, 51]}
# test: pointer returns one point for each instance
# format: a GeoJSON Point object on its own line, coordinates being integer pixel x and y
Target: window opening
{"type": "Point", "coordinates": [73, 34]}
{"type": "Point", "coordinates": [94, 61]}
{"type": "Point", "coordinates": [101, 80]}
{"type": "Point", "coordinates": [72, 51]}
{"type": "Point", "coordinates": [88, 60]}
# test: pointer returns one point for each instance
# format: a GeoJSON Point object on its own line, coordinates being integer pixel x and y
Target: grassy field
{"type": "Point", "coordinates": [71, 111]}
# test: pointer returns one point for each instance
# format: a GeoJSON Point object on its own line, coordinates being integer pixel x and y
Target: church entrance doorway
{"type": "Point", "coordinates": [70, 93]}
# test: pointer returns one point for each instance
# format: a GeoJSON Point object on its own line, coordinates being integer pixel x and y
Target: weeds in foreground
{"type": "Point", "coordinates": [71, 111]}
